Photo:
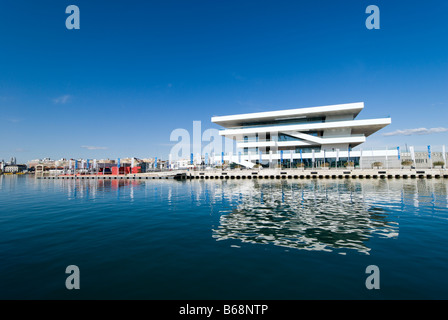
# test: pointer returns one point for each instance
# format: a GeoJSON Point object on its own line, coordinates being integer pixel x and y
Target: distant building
{"type": "Point", "coordinates": [41, 164]}
{"type": "Point", "coordinates": [14, 168]}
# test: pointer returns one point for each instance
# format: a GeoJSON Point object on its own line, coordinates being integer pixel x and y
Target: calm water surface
{"type": "Point", "coordinates": [249, 239]}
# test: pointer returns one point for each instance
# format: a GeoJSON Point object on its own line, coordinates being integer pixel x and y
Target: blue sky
{"type": "Point", "coordinates": [136, 70]}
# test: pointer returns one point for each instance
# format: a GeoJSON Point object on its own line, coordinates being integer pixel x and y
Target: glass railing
{"type": "Point", "coordinates": [293, 139]}
{"type": "Point", "coordinates": [277, 124]}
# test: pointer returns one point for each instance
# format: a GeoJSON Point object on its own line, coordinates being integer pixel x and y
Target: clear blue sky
{"type": "Point", "coordinates": [136, 70]}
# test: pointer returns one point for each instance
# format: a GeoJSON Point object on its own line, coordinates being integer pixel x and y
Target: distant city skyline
{"type": "Point", "coordinates": [136, 71]}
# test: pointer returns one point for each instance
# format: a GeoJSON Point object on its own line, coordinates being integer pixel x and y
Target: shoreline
{"type": "Point", "coordinates": [269, 174]}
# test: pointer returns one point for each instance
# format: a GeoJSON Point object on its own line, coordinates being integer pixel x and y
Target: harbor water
{"type": "Point", "coordinates": [223, 239]}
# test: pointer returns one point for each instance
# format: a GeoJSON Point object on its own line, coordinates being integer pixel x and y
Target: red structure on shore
{"type": "Point", "coordinates": [126, 170]}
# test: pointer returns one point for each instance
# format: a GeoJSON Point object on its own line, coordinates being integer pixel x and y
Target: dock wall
{"type": "Point", "coordinates": [272, 174]}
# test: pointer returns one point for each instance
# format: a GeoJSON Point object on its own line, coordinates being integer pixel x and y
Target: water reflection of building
{"type": "Point", "coordinates": [99, 188]}
{"type": "Point", "coordinates": [312, 216]}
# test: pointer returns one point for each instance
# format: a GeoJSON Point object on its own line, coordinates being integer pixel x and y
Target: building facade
{"type": "Point", "coordinates": [316, 136]}
{"type": "Point", "coordinates": [14, 168]}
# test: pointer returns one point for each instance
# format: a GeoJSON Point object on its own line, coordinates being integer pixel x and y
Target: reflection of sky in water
{"type": "Point", "coordinates": [165, 239]}
{"type": "Point", "coordinates": [322, 215]}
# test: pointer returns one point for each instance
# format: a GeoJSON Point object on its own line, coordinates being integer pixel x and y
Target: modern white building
{"type": "Point", "coordinates": [310, 136]}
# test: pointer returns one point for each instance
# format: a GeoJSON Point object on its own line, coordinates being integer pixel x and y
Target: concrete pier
{"type": "Point", "coordinates": [320, 174]}
{"type": "Point", "coordinates": [271, 174]}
